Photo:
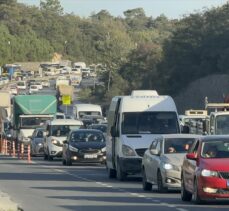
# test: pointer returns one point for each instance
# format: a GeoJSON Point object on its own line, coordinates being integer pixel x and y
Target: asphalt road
{"type": "Point", "coordinates": [45, 185]}
{"type": "Point", "coordinates": [49, 186]}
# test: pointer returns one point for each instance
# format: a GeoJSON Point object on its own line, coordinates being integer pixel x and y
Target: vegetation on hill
{"type": "Point", "coordinates": [139, 52]}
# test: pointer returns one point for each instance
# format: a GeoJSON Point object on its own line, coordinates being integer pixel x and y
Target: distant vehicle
{"type": "Point", "coordinates": [205, 170]}
{"type": "Point", "coordinates": [13, 89]}
{"type": "Point", "coordinates": [21, 85]}
{"type": "Point", "coordinates": [45, 83]}
{"type": "Point", "coordinates": [133, 122]}
{"type": "Point", "coordinates": [38, 84]}
{"type": "Point", "coordinates": [60, 115]}
{"type": "Point", "coordinates": [92, 119]}
{"type": "Point", "coordinates": [79, 65]}
{"type": "Point", "coordinates": [62, 80]}
{"type": "Point", "coordinates": [56, 131]}
{"type": "Point", "coordinates": [80, 110]}
{"type": "Point", "coordinates": [33, 89]}
{"type": "Point", "coordinates": [84, 146]}
{"type": "Point", "coordinates": [162, 161]}
{"type": "Point", "coordinates": [37, 142]}
{"type": "Point", "coordinates": [100, 127]}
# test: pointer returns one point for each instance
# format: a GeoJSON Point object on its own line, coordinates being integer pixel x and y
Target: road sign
{"type": "Point", "coordinates": [66, 100]}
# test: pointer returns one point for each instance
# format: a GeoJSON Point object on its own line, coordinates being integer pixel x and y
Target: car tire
{"type": "Point", "coordinates": [50, 158]}
{"type": "Point", "coordinates": [160, 186]}
{"type": "Point", "coordinates": [111, 173]}
{"type": "Point", "coordinates": [196, 197]}
{"type": "Point", "coordinates": [145, 185]}
{"type": "Point", "coordinates": [45, 157]}
{"type": "Point", "coordinates": [185, 195]}
{"type": "Point", "coordinates": [68, 162]}
{"type": "Point", "coordinates": [63, 162]}
{"type": "Point", "coordinates": [121, 176]}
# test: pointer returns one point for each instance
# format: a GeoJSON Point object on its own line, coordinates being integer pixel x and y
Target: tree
{"type": "Point", "coordinates": [51, 6]}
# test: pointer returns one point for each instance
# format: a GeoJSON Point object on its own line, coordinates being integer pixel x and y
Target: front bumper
{"type": "Point", "coordinates": [130, 165]}
{"type": "Point", "coordinates": [217, 183]}
{"type": "Point", "coordinates": [55, 151]}
{"type": "Point", "coordinates": [88, 158]}
{"type": "Point", "coordinates": [171, 178]}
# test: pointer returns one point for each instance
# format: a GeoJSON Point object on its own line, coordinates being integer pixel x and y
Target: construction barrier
{"type": "Point", "coordinates": [10, 148]}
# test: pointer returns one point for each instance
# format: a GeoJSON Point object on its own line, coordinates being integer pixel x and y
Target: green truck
{"type": "Point", "coordinates": [30, 112]}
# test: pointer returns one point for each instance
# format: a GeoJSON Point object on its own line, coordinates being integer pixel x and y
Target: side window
{"type": "Point", "coordinates": [158, 147]}
{"type": "Point", "coordinates": [48, 130]}
{"type": "Point", "coordinates": [194, 148]}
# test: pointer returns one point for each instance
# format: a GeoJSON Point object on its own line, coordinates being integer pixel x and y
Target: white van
{"type": "Point", "coordinates": [80, 110]}
{"type": "Point", "coordinates": [133, 122]}
{"type": "Point", "coordinates": [56, 131]}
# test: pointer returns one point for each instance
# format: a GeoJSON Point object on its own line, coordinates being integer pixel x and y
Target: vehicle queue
{"type": "Point", "coordinates": [142, 134]}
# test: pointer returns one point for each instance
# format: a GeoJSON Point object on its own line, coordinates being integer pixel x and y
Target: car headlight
{"type": "Point", "coordinates": [73, 149]}
{"type": "Point", "coordinates": [128, 151]}
{"type": "Point", "coordinates": [54, 141]}
{"type": "Point", "coordinates": [169, 166]}
{"type": "Point", "coordinates": [103, 149]}
{"type": "Point", "coordinates": [209, 173]}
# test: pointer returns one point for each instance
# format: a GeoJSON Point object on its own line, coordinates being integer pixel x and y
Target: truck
{"type": "Point", "coordinates": [133, 123]}
{"type": "Point", "coordinates": [218, 121]}
{"type": "Point", "coordinates": [5, 102]}
{"type": "Point", "coordinates": [30, 112]}
{"type": "Point", "coordinates": [62, 80]}
{"type": "Point", "coordinates": [79, 65]}
{"type": "Point", "coordinates": [64, 90]}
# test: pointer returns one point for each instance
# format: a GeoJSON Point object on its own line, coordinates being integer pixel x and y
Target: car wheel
{"type": "Point", "coordinates": [45, 157]}
{"type": "Point", "coordinates": [121, 176]}
{"type": "Point", "coordinates": [185, 195]}
{"type": "Point", "coordinates": [111, 173]}
{"type": "Point", "coordinates": [50, 158]}
{"type": "Point", "coordinates": [160, 186]}
{"type": "Point", "coordinates": [197, 199]}
{"type": "Point", "coordinates": [68, 162]}
{"type": "Point", "coordinates": [145, 185]}
{"type": "Point", "coordinates": [63, 162]}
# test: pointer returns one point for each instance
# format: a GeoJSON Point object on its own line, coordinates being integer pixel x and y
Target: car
{"type": "Point", "coordinates": [37, 142]}
{"type": "Point", "coordinates": [205, 170]}
{"type": "Point", "coordinates": [100, 127]}
{"type": "Point", "coordinates": [13, 90]}
{"type": "Point", "coordinates": [33, 89]}
{"type": "Point", "coordinates": [21, 85]}
{"type": "Point", "coordinates": [45, 83]}
{"type": "Point", "coordinates": [56, 132]}
{"type": "Point", "coordinates": [60, 115]}
{"type": "Point", "coordinates": [161, 163]}
{"type": "Point", "coordinates": [39, 84]}
{"type": "Point", "coordinates": [84, 145]}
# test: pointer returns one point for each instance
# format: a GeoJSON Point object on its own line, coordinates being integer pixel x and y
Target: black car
{"type": "Point", "coordinates": [84, 145]}
{"type": "Point", "coordinates": [101, 127]}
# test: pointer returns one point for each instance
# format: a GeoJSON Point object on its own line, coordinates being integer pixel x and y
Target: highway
{"type": "Point", "coordinates": [44, 185]}
{"type": "Point", "coordinates": [48, 185]}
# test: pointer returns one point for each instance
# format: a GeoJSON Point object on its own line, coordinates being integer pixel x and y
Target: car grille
{"type": "Point", "coordinates": [223, 191]}
{"type": "Point", "coordinates": [89, 151]}
{"type": "Point", "coordinates": [141, 151]}
{"type": "Point", "coordinates": [224, 175]}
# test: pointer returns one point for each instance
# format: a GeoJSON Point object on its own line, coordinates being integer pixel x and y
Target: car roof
{"type": "Point", "coordinates": [86, 130]}
{"type": "Point", "coordinates": [180, 135]}
{"type": "Point", "coordinates": [214, 137]}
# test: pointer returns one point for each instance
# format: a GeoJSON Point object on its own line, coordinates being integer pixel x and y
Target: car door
{"type": "Point", "coordinates": [189, 168]}
{"type": "Point", "coordinates": [33, 141]}
{"type": "Point", "coordinates": [148, 159]}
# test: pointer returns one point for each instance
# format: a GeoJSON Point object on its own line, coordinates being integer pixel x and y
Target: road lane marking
{"type": "Point", "coordinates": [181, 209]}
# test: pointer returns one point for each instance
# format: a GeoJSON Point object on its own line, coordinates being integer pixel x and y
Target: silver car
{"type": "Point", "coordinates": [37, 142]}
{"type": "Point", "coordinates": [161, 163]}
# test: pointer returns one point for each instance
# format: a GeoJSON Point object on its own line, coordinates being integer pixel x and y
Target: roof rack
{"type": "Point", "coordinates": [216, 106]}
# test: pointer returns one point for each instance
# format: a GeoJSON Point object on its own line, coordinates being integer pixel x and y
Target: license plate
{"type": "Point", "coordinates": [90, 156]}
{"type": "Point", "coordinates": [227, 183]}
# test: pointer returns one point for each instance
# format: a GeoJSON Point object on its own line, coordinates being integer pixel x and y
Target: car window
{"type": "Point", "coordinates": [153, 145]}
{"type": "Point", "coordinates": [87, 136]}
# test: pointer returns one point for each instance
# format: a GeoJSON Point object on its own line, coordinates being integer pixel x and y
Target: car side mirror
{"type": "Point", "coordinates": [191, 156]}
{"type": "Point", "coordinates": [65, 142]}
{"type": "Point", "coordinates": [154, 152]}
{"type": "Point", "coordinates": [114, 132]}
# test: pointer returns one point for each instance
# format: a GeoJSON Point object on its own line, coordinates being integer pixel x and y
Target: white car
{"type": "Point", "coordinates": [13, 90]}
{"type": "Point", "coordinates": [38, 84]}
{"type": "Point", "coordinates": [21, 85]}
{"type": "Point", "coordinates": [56, 131]}
{"type": "Point", "coordinates": [33, 89]}
{"type": "Point", "coordinates": [45, 83]}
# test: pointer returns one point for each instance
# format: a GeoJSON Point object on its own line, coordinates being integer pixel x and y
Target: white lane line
{"type": "Point", "coordinates": [155, 200]}
{"type": "Point", "coordinates": [133, 194]}
{"type": "Point", "coordinates": [181, 209]}
{"type": "Point", "coordinates": [109, 186]}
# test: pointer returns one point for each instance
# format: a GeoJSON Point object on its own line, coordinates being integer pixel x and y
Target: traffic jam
{"type": "Point", "coordinates": [141, 135]}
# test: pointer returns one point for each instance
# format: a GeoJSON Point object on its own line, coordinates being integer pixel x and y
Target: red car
{"type": "Point", "coordinates": [205, 170]}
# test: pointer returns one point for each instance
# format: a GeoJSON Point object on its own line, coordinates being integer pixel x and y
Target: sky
{"type": "Point", "coordinates": [171, 8]}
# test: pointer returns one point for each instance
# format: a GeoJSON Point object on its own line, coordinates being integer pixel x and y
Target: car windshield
{"type": "Point", "coordinates": [149, 123]}
{"type": "Point", "coordinates": [21, 84]}
{"type": "Point", "coordinates": [33, 122]}
{"type": "Point", "coordinates": [215, 149]}
{"type": "Point", "coordinates": [102, 128]}
{"type": "Point", "coordinates": [177, 145]}
{"type": "Point", "coordinates": [91, 113]}
{"type": "Point", "coordinates": [63, 130]}
{"type": "Point", "coordinates": [87, 136]}
{"type": "Point", "coordinates": [33, 87]}
{"type": "Point", "coordinates": [222, 125]}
